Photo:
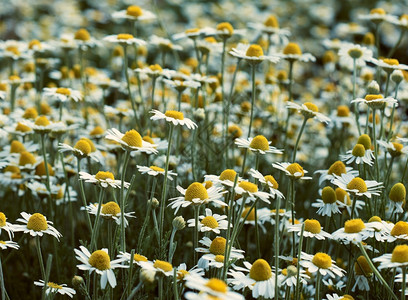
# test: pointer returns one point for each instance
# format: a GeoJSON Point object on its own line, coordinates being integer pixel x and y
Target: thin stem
{"type": "Point", "coordinates": [3, 288]}
{"type": "Point", "coordinates": [175, 291]}
{"type": "Point", "coordinates": [153, 88]}
{"type": "Point", "coordinates": [252, 100]}
{"type": "Point", "coordinates": [298, 138]}
{"type": "Point", "coordinates": [42, 138]}
{"type": "Point", "coordinates": [297, 290]}
{"type": "Point", "coordinates": [83, 197]}
{"type": "Point", "coordinates": [404, 282]}
{"type": "Point", "coordinates": [277, 245]}
{"type": "Point", "coordinates": [196, 213]}
{"type": "Point", "coordinates": [122, 202]}
{"type": "Point", "coordinates": [375, 146]}
{"type": "Point", "coordinates": [353, 207]}
{"type": "Point", "coordinates": [160, 287]}
{"type": "Point", "coordinates": [125, 70]}
{"type": "Point", "coordinates": [318, 281]}
{"type": "Point", "coordinates": [96, 224]}
{"type": "Point", "coordinates": [40, 259]}
{"type": "Point", "coordinates": [146, 220]}
{"type": "Point", "coordinates": [356, 114]}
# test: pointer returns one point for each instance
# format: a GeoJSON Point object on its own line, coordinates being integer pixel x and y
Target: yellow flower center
{"type": "Point", "coordinates": [251, 216]}
{"type": "Point", "coordinates": [93, 148]}
{"type": "Point", "coordinates": [357, 184]}
{"type": "Point", "coordinates": [400, 254]}
{"type": "Point", "coordinates": [111, 208]}
{"type": "Point", "coordinates": [353, 226]}
{"type": "Point", "coordinates": [101, 175]}
{"type": "Point", "coordinates": [63, 91]}
{"type": "Point", "coordinates": [311, 106]}
{"type": "Point", "coordinates": [260, 143]}
{"type": "Point", "coordinates": [132, 138]}
{"type": "Point", "coordinates": [2, 219]}
{"type": "Point", "coordinates": [400, 228]}
{"type": "Point", "coordinates": [391, 61]}
{"type": "Point", "coordinates": [100, 260]}
{"type": "Point", "coordinates": [219, 258]}
{"type": "Point", "coordinates": [210, 39]}
{"type": "Point", "coordinates": [54, 285]}
{"type": "Point", "coordinates": [217, 246]}
{"type": "Point", "coordinates": [26, 158]}
{"type": "Point", "coordinates": [272, 21]}
{"type": "Point", "coordinates": [358, 150]}
{"type": "Point", "coordinates": [343, 196]}
{"type": "Point", "coordinates": [228, 174]}
{"type": "Point", "coordinates": [192, 30]}
{"type": "Point", "coordinates": [355, 53]}
{"type": "Point", "coordinates": [37, 222]}
{"type": "Point", "coordinates": [295, 168]}
{"type": "Point", "coordinates": [225, 27]}
{"type": "Point", "coordinates": [174, 114]}
{"type": "Point", "coordinates": [196, 191]}
{"type": "Point", "coordinates": [14, 78]}
{"type": "Point", "coordinates": [40, 169]}
{"type": "Point", "coordinates": [210, 221]}
{"type": "Point", "coordinates": [398, 193]}
{"type": "Point", "coordinates": [371, 97]}
{"type": "Point", "coordinates": [271, 179]}
{"type": "Point", "coordinates": [16, 147]}
{"type": "Point", "coordinates": [365, 140]}
{"type": "Point", "coordinates": [378, 11]}
{"type": "Point", "coordinates": [328, 195]}
{"type": "Point", "coordinates": [11, 169]}
{"type": "Point", "coordinates": [292, 48]}
{"type": "Point", "coordinates": [343, 111]}
{"type": "Point", "coordinates": [217, 285]}
{"type": "Point", "coordinates": [284, 272]}
{"type": "Point", "coordinates": [260, 270]}
{"type": "Point", "coordinates": [98, 130]}
{"type": "Point", "coordinates": [248, 186]}
{"type": "Point", "coordinates": [22, 128]}
{"type": "Point", "coordinates": [157, 169]}
{"type": "Point", "coordinates": [322, 260]}
{"type": "Point", "coordinates": [374, 219]}
{"type": "Point", "coordinates": [83, 146]}
{"type": "Point", "coordinates": [235, 131]}
{"type": "Point", "coordinates": [337, 168]}
{"type": "Point", "coordinates": [124, 36]}
{"type": "Point", "coordinates": [181, 274]}
{"type": "Point", "coordinates": [361, 267]}
{"type": "Point", "coordinates": [346, 297]}
{"type": "Point", "coordinates": [148, 139]}
{"type": "Point", "coordinates": [42, 121]}
{"type": "Point", "coordinates": [134, 11]}
{"type": "Point", "coordinates": [207, 184]}
{"type": "Point", "coordinates": [82, 35]}
{"type": "Point", "coordinates": [34, 43]}
{"type": "Point", "coordinates": [155, 68]}
{"type": "Point", "coordinates": [312, 226]}
{"type": "Point", "coordinates": [254, 51]}
{"type": "Point", "coordinates": [163, 265]}
{"type": "Point", "coordinates": [30, 113]}
{"type": "Point", "coordinates": [138, 257]}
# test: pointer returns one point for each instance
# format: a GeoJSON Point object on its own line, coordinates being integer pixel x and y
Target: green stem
{"type": "Point", "coordinates": [83, 197]}
{"type": "Point", "coordinates": [375, 147]}
{"type": "Point", "coordinates": [160, 287]}
{"type": "Point", "coordinates": [297, 291]}
{"type": "Point", "coordinates": [96, 225]}
{"type": "Point", "coordinates": [152, 107]}
{"type": "Point", "coordinates": [40, 259]}
{"type": "Point", "coordinates": [3, 288]}
{"type": "Point", "coordinates": [318, 281]}
{"type": "Point", "coordinates": [253, 66]}
{"type": "Point", "coordinates": [122, 203]}
{"type": "Point", "coordinates": [42, 138]}
{"type": "Point", "coordinates": [353, 207]}
{"type": "Point", "coordinates": [404, 282]}
{"type": "Point", "coordinates": [196, 213]}
{"type": "Point", "coordinates": [146, 220]}
{"type": "Point", "coordinates": [277, 245]}
{"type": "Point", "coordinates": [298, 138]}
{"type": "Point", "coordinates": [125, 70]}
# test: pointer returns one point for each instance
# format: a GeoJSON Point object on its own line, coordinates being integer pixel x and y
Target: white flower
{"type": "Point", "coordinates": [137, 258]}
{"type": "Point", "coordinates": [8, 244]}
{"type": "Point", "coordinates": [395, 149]}
{"type": "Point", "coordinates": [252, 54]}
{"type": "Point", "coordinates": [376, 101]}
{"type": "Point", "coordinates": [359, 155]}
{"type": "Point", "coordinates": [174, 117]}
{"type": "Point", "coordinates": [110, 210]}
{"type": "Point", "coordinates": [337, 168]}
{"type": "Point", "coordinates": [389, 64]}
{"type": "Point", "coordinates": [63, 94]}
{"type": "Point", "coordinates": [104, 179]}
{"type": "Point", "coordinates": [210, 222]}
{"type": "Point", "coordinates": [258, 144]}
{"type": "Point", "coordinates": [124, 39]}
{"type": "Point", "coordinates": [358, 186]}
{"type": "Point", "coordinates": [134, 13]}
{"type": "Point", "coordinates": [154, 171]}
{"type": "Point", "coordinates": [163, 43]}
{"type": "Point", "coordinates": [269, 181]}
{"type": "Point", "coordinates": [54, 288]}
{"type": "Point", "coordinates": [292, 52]}
{"type": "Point", "coordinates": [6, 226]}
{"type": "Point", "coordinates": [348, 52]}
{"type": "Point", "coordinates": [322, 263]}
{"type": "Point", "coordinates": [354, 231]}
{"type": "Point", "coordinates": [159, 266]}
{"type": "Point", "coordinates": [99, 261]}
{"type": "Point", "coordinates": [250, 191]}
{"type": "Point", "coordinates": [182, 272]}
{"type": "Point", "coordinates": [214, 287]}
{"type": "Point", "coordinates": [288, 276]}
{"type": "Point", "coordinates": [36, 225]}
{"type": "Point", "coordinates": [313, 229]}
{"type": "Point", "coordinates": [396, 259]}
{"type": "Point", "coordinates": [77, 151]}
{"type": "Point", "coordinates": [309, 110]}
{"type": "Point", "coordinates": [293, 170]}
{"type": "Point", "coordinates": [131, 141]}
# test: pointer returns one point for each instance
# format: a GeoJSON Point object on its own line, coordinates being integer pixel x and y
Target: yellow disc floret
{"type": "Point", "coordinates": [98, 130]}
{"type": "Point", "coordinates": [354, 226]}
{"type": "Point", "coordinates": [251, 216]}
{"type": "Point", "coordinates": [111, 208]}
{"type": "Point", "coordinates": [163, 265]}
{"type": "Point", "coordinates": [82, 35]}
{"type": "Point", "coordinates": [374, 219]}
{"type": "Point", "coordinates": [83, 146]}
{"type": "Point", "coordinates": [124, 36]}
{"type": "Point", "coordinates": [328, 195]}
{"type": "Point", "coordinates": [248, 186]}
{"type": "Point", "coordinates": [272, 21]}
{"type": "Point", "coordinates": [254, 51]}
{"type": "Point", "coordinates": [138, 257]}
{"type": "Point", "coordinates": [337, 168]}
{"type": "Point", "coordinates": [295, 168]}
{"type": "Point", "coordinates": [22, 128]}
{"type": "Point", "coordinates": [134, 11]}
{"type": "Point", "coordinates": [209, 221]}
{"type": "Point", "coordinates": [37, 222]}
{"type": "Point", "coordinates": [270, 179]}
{"type": "Point", "coordinates": [259, 143]}
{"type": "Point", "coordinates": [400, 228]}
{"type": "Point", "coordinates": [358, 150]}
{"type": "Point", "coordinates": [260, 270]}
{"type": "Point", "coordinates": [132, 138]}
{"type": "Point", "coordinates": [313, 226]}
{"type": "Point", "coordinates": [30, 113]}
{"type": "Point", "coordinates": [174, 114]}
{"type": "Point", "coordinates": [101, 175]}
{"type": "Point", "coordinates": [292, 48]}
{"type": "Point", "coordinates": [311, 106]}
{"type": "Point", "coordinates": [400, 254]}
{"type": "Point", "coordinates": [157, 169]}
{"type": "Point", "coordinates": [100, 260]}
{"type": "Point", "coordinates": [365, 140]}
{"type": "Point", "coordinates": [217, 285]}
{"type": "Point", "coordinates": [2, 219]}
{"type": "Point", "coordinates": [63, 91]}
{"type": "Point", "coordinates": [228, 174]}
{"type": "Point", "coordinates": [26, 158]}
{"type": "Point", "coordinates": [361, 267]}
{"type": "Point", "coordinates": [357, 184]}
{"type": "Point", "coordinates": [217, 246]}
{"type": "Point", "coordinates": [343, 111]}
{"type": "Point", "coordinates": [196, 191]}
{"type": "Point", "coordinates": [398, 193]}
{"type": "Point", "coordinates": [322, 260]}
{"type": "Point", "coordinates": [225, 27]}
{"type": "Point", "coordinates": [42, 121]}
{"type": "Point", "coordinates": [17, 147]}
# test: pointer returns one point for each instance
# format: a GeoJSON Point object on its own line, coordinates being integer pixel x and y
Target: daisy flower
{"type": "Point", "coordinates": [210, 222]}
{"type": "Point", "coordinates": [110, 210]}
{"type": "Point", "coordinates": [164, 44]}
{"type": "Point", "coordinates": [342, 116]}
{"type": "Point", "coordinates": [322, 263]}
{"type": "Point", "coordinates": [213, 287]}
{"type": "Point", "coordinates": [259, 278]}
{"type": "Point", "coordinates": [397, 259]}
{"type": "Point", "coordinates": [329, 204]}
{"type": "Point", "coordinates": [376, 15]}
{"type": "Point", "coordinates": [337, 168]}
{"type": "Point", "coordinates": [358, 155]}
{"type": "Point", "coordinates": [250, 191]}
{"type": "Point", "coordinates": [81, 149]}
{"type": "Point", "coordinates": [293, 170]}
{"type": "Point", "coordinates": [137, 258]}
{"type": "Point", "coordinates": [382, 229]}
{"type": "Point", "coordinates": [358, 186]}
{"type": "Point", "coordinates": [269, 181]}
{"type": "Point", "coordinates": [196, 194]}
{"type": "Point", "coordinates": [308, 110]}
{"type": "Point", "coordinates": [174, 117]}
{"type": "Point", "coordinates": [349, 52]}
{"type": "Point", "coordinates": [194, 33]}
{"type": "Point", "coordinates": [292, 52]}
{"type": "Point", "coordinates": [397, 197]}
{"type": "Point", "coordinates": [258, 144]}
{"type": "Point", "coordinates": [226, 178]}
{"type": "Point", "coordinates": [63, 94]}
{"type": "Point", "coordinates": [100, 262]}
{"type": "Point", "coordinates": [313, 229]}
{"type": "Point", "coordinates": [354, 231]}
{"type": "Point", "coordinates": [134, 13]}
{"type": "Point", "coordinates": [36, 225]}
{"type": "Point", "coordinates": [288, 276]}
{"type": "Point", "coordinates": [159, 266]}
{"type": "Point", "coordinates": [54, 288]}
{"type": "Point", "coordinates": [8, 244]}
{"type": "Point", "coordinates": [215, 250]}
{"type": "Point", "coordinates": [103, 179]}
{"type": "Point", "coordinates": [398, 232]}
{"type": "Point", "coordinates": [395, 149]}
{"type": "Point", "coordinates": [6, 226]}
{"type": "Point", "coordinates": [124, 39]}
{"type": "Point", "coordinates": [182, 272]}
{"type": "Point", "coordinates": [376, 101]}
{"type": "Point", "coordinates": [389, 64]}
{"type": "Point", "coordinates": [252, 54]}
{"type": "Point", "coordinates": [271, 27]}
{"type": "Point", "coordinates": [181, 83]}
{"type": "Point", "coordinates": [41, 124]}
{"type": "Point", "coordinates": [131, 141]}
{"type": "Point", "coordinates": [362, 271]}
{"type": "Point", "coordinates": [154, 171]}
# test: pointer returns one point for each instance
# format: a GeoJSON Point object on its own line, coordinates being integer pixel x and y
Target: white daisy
{"type": "Point", "coordinates": [269, 181]}
{"type": "Point", "coordinates": [100, 262]}
{"type": "Point", "coordinates": [6, 226]}
{"type": "Point", "coordinates": [293, 170]}
{"type": "Point", "coordinates": [349, 52]}
{"type": "Point", "coordinates": [395, 149]}
{"type": "Point", "coordinates": [213, 287]}
{"type": "Point", "coordinates": [308, 110]}
{"type": "Point", "coordinates": [54, 288]}
{"type": "Point", "coordinates": [159, 266]}
{"type": "Point", "coordinates": [225, 179]}
{"type": "Point", "coordinates": [292, 53]}
{"type": "Point", "coordinates": [131, 141]}
{"type": "Point", "coordinates": [258, 144]}
{"type": "Point", "coordinates": [134, 13]}
{"type": "Point", "coordinates": [396, 259]}
{"type": "Point", "coordinates": [382, 229]}
{"type": "Point", "coordinates": [182, 272]}
{"type": "Point", "coordinates": [63, 94]}
{"type": "Point", "coordinates": [210, 222]}
{"type": "Point", "coordinates": [154, 171]}
{"type": "Point", "coordinates": [174, 117]}
{"type": "Point", "coordinates": [81, 150]}
{"type": "Point", "coordinates": [36, 225]}
{"type": "Point", "coordinates": [354, 231]}
{"type": "Point", "coordinates": [336, 168]}
{"type": "Point", "coordinates": [124, 39]}
{"type": "Point", "coordinates": [8, 244]}
{"type": "Point", "coordinates": [103, 179]}
{"type": "Point", "coordinates": [330, 204]}
{"type": "Point", "coordinates": [137, 258]}
{"type": "Point", "coordinates": [376, 101]}
{"type": "Point", "coordinates": [358, 186]}
{"type": "Point", "coordinates": [358, 155]}
{"type": "Point", "coordinates": [389, 64]}
{"type": "Point", "coordinates": [322, 263]}
{"type": "Point", "coordinates": [313, 229]}
{"type": "Point", "coordinates": [110, 210]}
{"type": "Point", "coordinates": [250, 191]}
{"type": "Point", "coordinates": [252, 54]}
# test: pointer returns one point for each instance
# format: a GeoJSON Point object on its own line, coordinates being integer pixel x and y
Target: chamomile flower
{"type": "Point", "coordinates": [358, 186]}
{"type": "Point", "coordinates": [250, 191]}
{"type": "Point", "coordinates": [293, 170]}
{"type": "Point", "coordinates": [382, 229]}
{"type": "Point", "coordinates": [292, 52]}
{"type": "Point", "coordinates": [354, 231]}
{"type": "Point", "coordinates": [398, 232]}
{"type": "Point", "coordinates": [308, 110]}
{"type": "Point", "coordinates": [322, 263]}
{"type": "Point", "coordinates": [137, 258]}
{"type": "Point", "coordinates": [271, 27]}
{"type": "Point", "coordinates": [389, 64]}
{"type": "Point", "coordinates": [394, 148]}
{"type": "Point", "coordinates": [100, 262]}
{"type": "Point", "coordinates": [81, 149]}
{"type": "Point", "coordinates": [103, 179]}
{"type": "Point", "coordinates": [54, 288]}
{"type": "Point", "coordinates": [213, 249]}
{"type": "Point", "coordinates": [124, 39]}
{"type": "Point", "coordinates": [164, 44]}
{"type": "Point", "coordinates": [196, 194]}
{"type": "Point", "coordinates": [159, 266]}
{"type": "Point", "coordinates": [110, 210]}
{"type": "Point", "coordinates": [313, 229]}
{"type": "Point", "coordinates": [134, 13]}
{"type": "Point", "coordinates": [154, 171]}
{"type": "Point", "coordinates": [362, 271]}
{"type": "Point", "coordinates": [336, 168]}
{"type": "Point", "coordinates": [269, 181]}
{"type": "Point", "coordinates": [259, 278]}
{"type": "Point", "coordinates": [288, 276]}
{"type": "Point", "coordinates": [342, 116]}
{"type": "Point", "coordinates": [349, 52]}
{"type": "Point", "coordinates": [6, 226]}
{"type": "Point", "coordinates": [63, 94]}
{"type": "Point", "coordinates": [397, 259]}
{"type": "Point", "coordinates": [358, 155]}
{"type": "Point", "coordinates": [210, 288]}
{"type": "Point", "coordinates": [174, 117]}
{"type": "Point", "coordinates": [397, 197]}
{"type": "Point", "coordinates": [226, 178]}
{"type": "Point", "coordinates": [252, 54]}
{"type": "Point", "coordinates": [329, 204]}
{"type": "Point", "coordinates": [376, 101]}
{"type": "Point", "coordinates": [130, 141]}
{"type": "Point", "coordinates": [258, 144]}
{"type": "Point", "coordinates": [210, 222]}
{"type": "Point", "coordinates": [183, 273]}
{"type": "Point", "coordinates": [8, 244]}
{"type": "Point", "coordinates": [376, 15]}
{"type": "Point", "coordinates": [36, 225]}
{"type": "Point", "coordinates": [41, 125]}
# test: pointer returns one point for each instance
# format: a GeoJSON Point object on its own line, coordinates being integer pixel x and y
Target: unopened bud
{"type": "Point", "coordinates": [154, 203]}
{"type": "Point", "coordinates": [179, 223]}
{"type": "Point", "coordinates": [373, 88]}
